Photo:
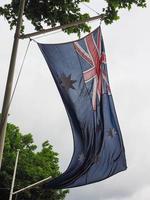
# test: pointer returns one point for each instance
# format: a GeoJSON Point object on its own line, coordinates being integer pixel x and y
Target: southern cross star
{"type": "Point", "coordinates": [112, 132]}
{"type": "Point", "coordinates": [81, 157]}
{"type": "Point", "coordinates": [66, 82]}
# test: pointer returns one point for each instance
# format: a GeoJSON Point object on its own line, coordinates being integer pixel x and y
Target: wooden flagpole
{"type": "Point", "coordinates": [33, 185]}
{"type": "Point", "coordinates": [8, 90]}
{"type": "Point", "coordinates": [43, 31]}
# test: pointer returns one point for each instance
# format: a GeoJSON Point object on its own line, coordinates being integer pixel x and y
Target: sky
{"type": "Point", "coordinates": [37, 107]}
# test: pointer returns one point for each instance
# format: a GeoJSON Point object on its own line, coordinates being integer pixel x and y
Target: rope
{"type": "Point", "coordinates": [19, 74]}
{"type": "Point", "coordinates": [46, 35]}
{"type": "Point", "coordinates": [13, 93]}
{"type": "Point", "coordinates": [90, 8]}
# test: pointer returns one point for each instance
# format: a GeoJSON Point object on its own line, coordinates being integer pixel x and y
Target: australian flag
{"type": "Point", "coordinates": [80, 72]}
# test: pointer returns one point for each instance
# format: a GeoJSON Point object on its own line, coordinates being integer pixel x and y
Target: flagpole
{"type": "Point", "coordinates": [33, 185]}
{"type": "Point", "coordinates": [7, 96]}
{"type": "Point", "coordinates": [25, 188]}
{"type": "Point", "coordinates": [43, 31]}
{"type": "Point", "coordinates": [14, 175]}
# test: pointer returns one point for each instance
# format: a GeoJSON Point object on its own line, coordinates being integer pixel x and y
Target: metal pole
{"type": "Point", "coordinates": [61, 27]}
{"type": "Point", "coordinates": [7, 96]}
{"type": "Point", "coordinates": [14, 176]}
{"type": "Point", "coordinates": [33, 185]}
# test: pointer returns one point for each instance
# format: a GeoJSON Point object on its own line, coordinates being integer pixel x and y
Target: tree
{"type": "Point", "coordinates": [32, 167]}
{"type": "Point", "coordinates": [51, 13]}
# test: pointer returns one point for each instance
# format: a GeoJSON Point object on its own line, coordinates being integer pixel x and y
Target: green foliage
{"type": "Point", "coordinates": [110, 13]}
{"type": "Point", "coordinates": [48, 12]}
{"type": "Point", "coordinates": [52, 13]}
{"type": "Point", "coordinates": [32, 167]}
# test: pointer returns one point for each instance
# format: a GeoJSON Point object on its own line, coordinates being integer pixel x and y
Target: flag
{"type": "Point", "coordinates": [80, 72]}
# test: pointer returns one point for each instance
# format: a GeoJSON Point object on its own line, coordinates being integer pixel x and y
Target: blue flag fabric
{"type": "Point", "coordinates": [80, 73]}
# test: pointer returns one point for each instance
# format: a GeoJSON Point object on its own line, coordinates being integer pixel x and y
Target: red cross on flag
{"type": "Point", "coordinates": [95, 57]}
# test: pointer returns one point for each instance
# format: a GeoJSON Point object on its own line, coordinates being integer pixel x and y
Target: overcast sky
{"type": "Point", "coordinates": [37, 106]}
